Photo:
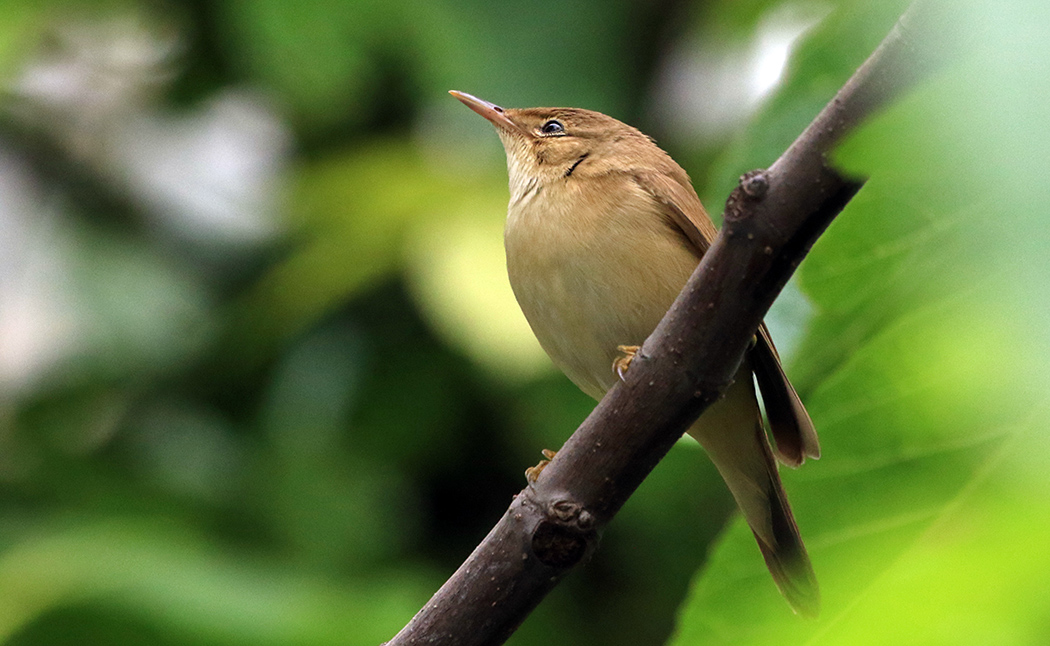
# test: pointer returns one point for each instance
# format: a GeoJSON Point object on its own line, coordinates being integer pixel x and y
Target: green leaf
{"type": "Point", "coordinates": [817, 68]}
{"type": "Point", "coordinates": [923, 371]}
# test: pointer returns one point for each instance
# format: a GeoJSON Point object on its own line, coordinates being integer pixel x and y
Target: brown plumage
{"type": "Point", "coordinates": [603, 230]}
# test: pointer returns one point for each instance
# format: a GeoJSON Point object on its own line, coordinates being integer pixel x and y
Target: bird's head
{"type": "Point", "coordinates": [546, 145]}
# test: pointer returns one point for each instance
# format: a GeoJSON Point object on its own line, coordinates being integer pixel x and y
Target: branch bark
{"type": "Point", "coordinates": [771, 221]}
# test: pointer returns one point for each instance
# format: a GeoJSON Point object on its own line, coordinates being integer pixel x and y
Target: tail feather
{"type": "Point", "coordinates": [786, 558]}
{"type": "Point", "coordinates": [733, 436]}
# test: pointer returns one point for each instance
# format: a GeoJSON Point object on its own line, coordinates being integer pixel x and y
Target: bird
{"type": "Point", "coordinates": [603, 230]}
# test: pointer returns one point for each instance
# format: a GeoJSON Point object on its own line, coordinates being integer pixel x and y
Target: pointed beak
{"type": "Point", "coordinates": [490, 111]}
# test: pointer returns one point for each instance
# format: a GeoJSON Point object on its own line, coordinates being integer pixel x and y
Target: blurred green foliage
{"type": "Point", "coordinates": [262, 380]}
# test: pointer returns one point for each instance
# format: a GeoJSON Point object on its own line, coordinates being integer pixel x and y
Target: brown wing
{"type": "Point", "coordinates": [683, 206]}
{"type": "Point", "coordinates": [744, 459]}
{"type": "Point", "coordinates": [793, 431]}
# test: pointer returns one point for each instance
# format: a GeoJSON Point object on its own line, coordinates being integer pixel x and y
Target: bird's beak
{"type": "Point", "coordinates": [491, 111]}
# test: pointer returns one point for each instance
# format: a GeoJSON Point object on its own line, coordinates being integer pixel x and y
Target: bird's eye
{"type": "Point", "coordinates": [552, 127]}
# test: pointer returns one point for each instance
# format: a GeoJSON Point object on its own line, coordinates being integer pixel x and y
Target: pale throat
{"type": "Point", "coordinates": [523, 174]}
{"type": "Point", "coordinates": [521, 182]}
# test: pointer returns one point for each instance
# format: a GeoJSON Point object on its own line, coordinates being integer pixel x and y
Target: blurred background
{"type": "Point", "coordinates": [263, 381]}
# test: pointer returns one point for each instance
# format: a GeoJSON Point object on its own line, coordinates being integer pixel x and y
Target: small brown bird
{"type": "Point", "coordinates": [603, 230]}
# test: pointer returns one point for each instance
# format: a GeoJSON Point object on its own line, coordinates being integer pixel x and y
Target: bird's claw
{"type": "Point", "coordinates": [622, 363]}
{"type": "Point", "coordinates": [532, 473]}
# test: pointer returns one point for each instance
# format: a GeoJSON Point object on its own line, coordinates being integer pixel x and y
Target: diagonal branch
{"type": "Point", "coordinates": [771, 221]}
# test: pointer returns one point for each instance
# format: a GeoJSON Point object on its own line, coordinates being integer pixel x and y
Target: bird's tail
{"type": "Point", "coordinates": [732, 433]}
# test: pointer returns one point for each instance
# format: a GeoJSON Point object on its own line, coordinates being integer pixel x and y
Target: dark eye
{"type": "Point", "coordinates": [552, 127]}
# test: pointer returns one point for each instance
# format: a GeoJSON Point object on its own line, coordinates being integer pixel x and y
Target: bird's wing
{"type": "Point", "coordinates": [744, 457]}
{"type": "Point", "coordinates": [682, 205]}
{"type": "Point", "coordinates": [792, 429]}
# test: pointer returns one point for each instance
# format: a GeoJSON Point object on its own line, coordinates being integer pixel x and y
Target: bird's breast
{"type": "Point", "coordinates": [594, 264]}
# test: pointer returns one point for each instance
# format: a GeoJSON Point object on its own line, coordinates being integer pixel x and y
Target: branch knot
{"type": "Point", "coordinates": [752, 187]}
{"type": "Point", "coordinates": [755, 184]}
{"type": "Point", "coordinates": [560, 546]}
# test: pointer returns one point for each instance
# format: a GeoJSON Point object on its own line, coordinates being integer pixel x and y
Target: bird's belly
{"type": "Point", "coordinates": [587, 289]}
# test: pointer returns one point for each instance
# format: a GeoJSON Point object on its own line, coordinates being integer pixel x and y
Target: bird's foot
{"type": "Point", "coordinates": [532, 473]}
{"type": "Point", "coordinates": [622, 363]}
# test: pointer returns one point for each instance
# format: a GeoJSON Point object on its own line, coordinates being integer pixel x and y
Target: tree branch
{"type": "Point", "coordinates": [771, 221]}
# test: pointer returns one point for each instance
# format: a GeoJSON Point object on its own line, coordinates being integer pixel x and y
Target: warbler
{"type": "Point", "coordinates": [603, 230]}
